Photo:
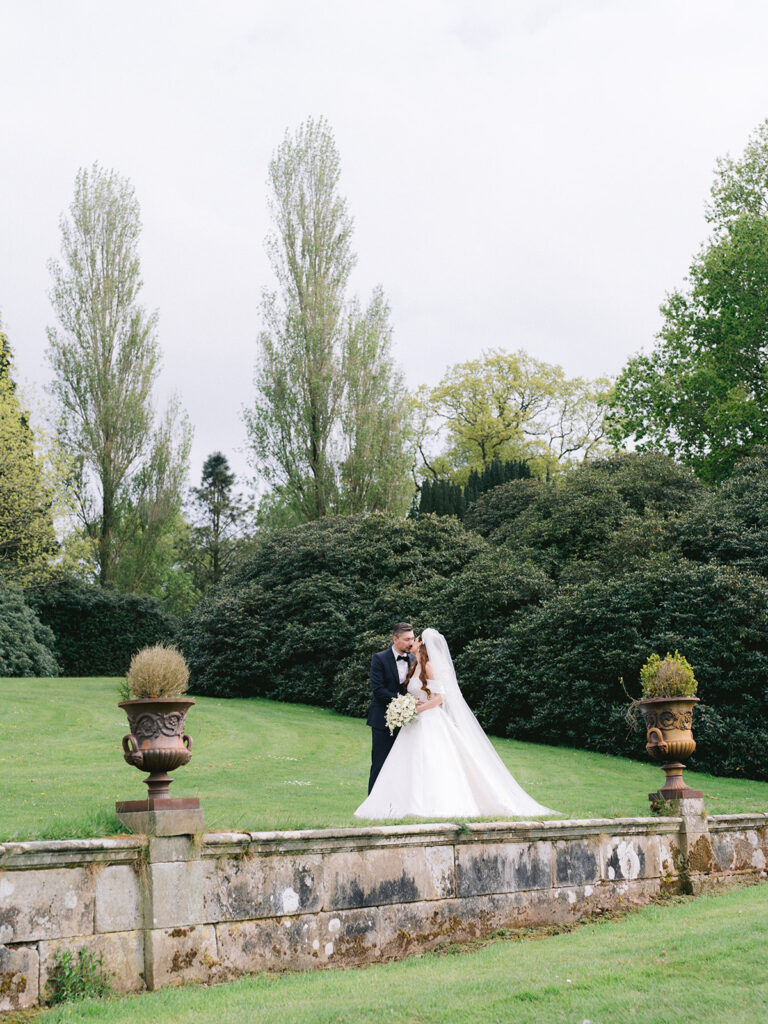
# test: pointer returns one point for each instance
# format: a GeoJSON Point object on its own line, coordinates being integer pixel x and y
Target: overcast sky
{"type": "Point", "coordinates": [523, 174]}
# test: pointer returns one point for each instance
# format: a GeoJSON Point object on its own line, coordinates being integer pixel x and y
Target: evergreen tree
{"type": "Point", "coordinates": [219, 515]}
{"type": "Point", "coordinates": [425, 498]}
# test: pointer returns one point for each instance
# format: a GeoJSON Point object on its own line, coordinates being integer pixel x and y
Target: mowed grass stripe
{"type": "Point", "coordinates": [260, 765]}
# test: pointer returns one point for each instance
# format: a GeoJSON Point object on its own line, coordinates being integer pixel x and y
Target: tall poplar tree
{"type": "Point", "coordinates": [327, 426]}
{"type": "Point", "coordinates": [105, 360]}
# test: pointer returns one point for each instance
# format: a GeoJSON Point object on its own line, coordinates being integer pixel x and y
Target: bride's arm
{"type": "Point", "coordinates": [434, 702]}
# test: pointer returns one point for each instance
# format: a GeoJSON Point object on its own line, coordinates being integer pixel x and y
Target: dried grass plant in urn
{"type": "Point", "coordinates": [156, 708]}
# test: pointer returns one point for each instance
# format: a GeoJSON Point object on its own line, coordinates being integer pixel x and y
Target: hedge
{"type": "Point", "coordinates": [97, 630]}
{"type": "Point", "coordinates": [558, 675]}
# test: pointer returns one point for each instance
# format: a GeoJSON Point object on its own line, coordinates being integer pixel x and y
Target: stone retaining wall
{"type": "Point", "coordinates": [183, 908]}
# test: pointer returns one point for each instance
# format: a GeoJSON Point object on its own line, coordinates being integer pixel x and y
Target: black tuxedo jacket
{"type": "Point", "coordinates": [385, 686]}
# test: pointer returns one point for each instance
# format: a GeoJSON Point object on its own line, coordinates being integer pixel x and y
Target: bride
{"type": "Point", "coordinates": [442, 764]}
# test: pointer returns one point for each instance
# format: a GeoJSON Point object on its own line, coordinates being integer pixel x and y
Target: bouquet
{"type": "Point", "coordinates": [400, 711]}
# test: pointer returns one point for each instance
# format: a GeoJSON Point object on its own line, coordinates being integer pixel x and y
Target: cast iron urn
{"type": "Point", "coordinates": [669, 735]}
{"type": "Point", "coordinates": [157, 742]}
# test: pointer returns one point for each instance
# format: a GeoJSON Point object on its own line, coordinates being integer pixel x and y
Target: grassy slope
{"type": "Point", "coordinates": [262, 765]}
{"type": "Point", "coordinates": [702, 960]}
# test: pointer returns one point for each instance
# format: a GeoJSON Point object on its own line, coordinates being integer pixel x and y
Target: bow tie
{"type": "Point", "coordinates": [402, 657]}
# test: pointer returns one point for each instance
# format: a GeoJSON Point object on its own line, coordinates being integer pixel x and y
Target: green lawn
{"type": "Point", "coordinates": [687, 962]}
{"type": "Point", "coordinates": [262, 765]}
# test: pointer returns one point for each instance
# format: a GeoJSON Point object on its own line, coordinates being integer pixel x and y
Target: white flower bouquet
{"type": "Point", "coordinates": [400, 711]}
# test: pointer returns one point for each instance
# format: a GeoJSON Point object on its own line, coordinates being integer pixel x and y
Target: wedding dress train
{"type": "Point", "coordinates": [442, 764]}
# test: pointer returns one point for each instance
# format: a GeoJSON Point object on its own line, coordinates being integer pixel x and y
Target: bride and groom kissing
{"type": "Point", "coordinates": [441, 764]}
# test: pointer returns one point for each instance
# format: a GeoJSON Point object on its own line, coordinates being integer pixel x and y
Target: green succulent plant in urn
{"type": "Point", "coordinates": [156, 707]}
{"type": "Point", "coordinates": [669, 695]}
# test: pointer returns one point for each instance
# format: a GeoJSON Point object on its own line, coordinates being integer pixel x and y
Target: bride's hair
{"type": "Point", "coordinates": [421, 660]}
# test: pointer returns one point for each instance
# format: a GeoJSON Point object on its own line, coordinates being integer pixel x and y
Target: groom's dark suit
{"type": "Point", "coordinates": [385, 685]}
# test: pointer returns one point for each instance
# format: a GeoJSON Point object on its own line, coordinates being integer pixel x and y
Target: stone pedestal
{"type": "Point", "coordinates": [674, 789]}
{"type": "Point", "coordinates": [169, 817]}
{"type": "Point", "coordinates": [695, 855]}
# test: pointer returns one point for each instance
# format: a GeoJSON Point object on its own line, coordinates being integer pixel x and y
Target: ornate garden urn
{"type": "Point", "coordinates": [157, 742]}
{"type": "Point", "coordinates": [668, 723]}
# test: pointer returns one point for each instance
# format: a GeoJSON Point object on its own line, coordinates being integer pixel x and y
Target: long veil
{"type": "Point", "coordinates": [482, 750]}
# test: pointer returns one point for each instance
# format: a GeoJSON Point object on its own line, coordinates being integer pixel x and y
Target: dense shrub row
{"type": "Point", "coordinates": [300, 619]}
{"type": "Point", "coordinates": [557, 675]}
{"type": "Point", "coordinates": [74, 629]}
{"type": "Point", "coordinates": [97, 630]}
{"type": "Point", "coordinates": [551, 603]}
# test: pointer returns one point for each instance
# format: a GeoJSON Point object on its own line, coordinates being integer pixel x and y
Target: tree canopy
{"type": "Point", "coordinates": [701, 395]}
{"type": "Point", "coordinates": [510, 406]}
{"type": "Point", "coordinates": [32, 488]}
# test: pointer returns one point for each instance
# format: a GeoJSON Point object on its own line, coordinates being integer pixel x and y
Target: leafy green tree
{"type": "Point", "coordinates": [303, 596]}
{"type": "Point", "coordinates": [31, 488]}
{"type": "Point", "coordinates": [701, 395]}
{"type": "Point", "coordinates": [374, 416]}
{"type": "Point", "coordinates": [328, 425]}
{"type": "Point", "coordinates": [508, 405]}
{"type": "Point", "coordinates": [105, 357]}
{"type": "Point", "coordinates": [729, 523]}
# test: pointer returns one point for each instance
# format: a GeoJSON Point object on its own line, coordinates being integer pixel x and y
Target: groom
{"type": "Point", "coordinates": [388, 672]}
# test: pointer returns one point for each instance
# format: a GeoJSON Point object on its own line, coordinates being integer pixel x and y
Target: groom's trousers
{"type": "Point", "coordinates": [381, 744]}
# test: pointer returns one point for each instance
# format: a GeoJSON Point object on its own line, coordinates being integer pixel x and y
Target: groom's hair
{"type": "Point", "coordinates": [401, 627]}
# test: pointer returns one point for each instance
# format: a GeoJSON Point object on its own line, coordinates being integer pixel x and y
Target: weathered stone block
{"type": "Point", "coordinates": [177, 822]}
{"type": "Point", "coordinates": [175, 955]}
{"type": "Point", "coordinates": [669, 857]}
{"type": "Point", "coordinates": [270, 944]}
{"type": "Point", "coordinates": [171, 849]}
{"type": "Point", "coordinates": [738, 851]}
{"type": "Point", "coordinates": [122, 955]}
{"type": "Point", "coordinates": [175, 895]}
{"type": "Point", "coordinates": [397, 875]}
{"type": "Point", "coordinates": [339, 938]}
{"type": "Point", "coordinates": [19, 973]}
{"type": "Point", "coordinates": [350, 936]}
{"type": "Point", "coordinates": [45, 903]}
{"type": "Point", "coordinates": [630, 857]}
{"type": "Point", "coordinates": [118, 899]}
{"type": "Point", "coordinates": [503, 867]}
{"type": "Point", "coordinates": [406, 929]}
{"type": "Point", "coordinates": [577, 862]}
{"type": "Point", "coordinates": [254, 887]}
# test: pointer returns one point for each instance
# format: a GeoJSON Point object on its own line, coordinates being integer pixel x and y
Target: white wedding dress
{"type": "Point", "coordinates": [442, 764]}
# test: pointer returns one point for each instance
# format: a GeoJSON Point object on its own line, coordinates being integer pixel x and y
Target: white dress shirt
{"type": "Point", "coordinates": [402, 666]}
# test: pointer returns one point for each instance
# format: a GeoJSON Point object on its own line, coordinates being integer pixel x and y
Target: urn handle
{"type": "Point", "coordinates": [656, 739]}
{"type": "Point", "coordinates": [131, 751]}
{"type": "Point", "coordinates": [187, 741]}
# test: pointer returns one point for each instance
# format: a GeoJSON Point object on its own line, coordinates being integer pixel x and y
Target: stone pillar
{"type": "Point", "coordinates": [696, 856]}
{"type": "Point", "coordinates": [178, 946]}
